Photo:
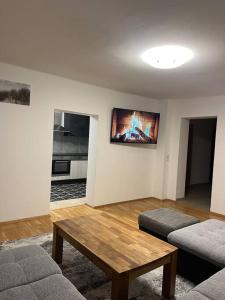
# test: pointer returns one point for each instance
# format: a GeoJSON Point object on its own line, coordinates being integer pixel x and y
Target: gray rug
{"type": "Point", "coordinates": [92, 282]}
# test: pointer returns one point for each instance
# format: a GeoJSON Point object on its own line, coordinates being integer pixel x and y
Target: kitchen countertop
{"type": "Point", "coordinates": [70, 156]}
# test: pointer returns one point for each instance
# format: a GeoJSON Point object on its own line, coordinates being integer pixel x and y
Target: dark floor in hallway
{"type": "Point", "coordinates": [198, 196]}
{"type": "Point", "coordinates": [68, 191]}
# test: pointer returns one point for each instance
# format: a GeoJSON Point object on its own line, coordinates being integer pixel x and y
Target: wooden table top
{"type": "Point", "coordinates": [120, 246]}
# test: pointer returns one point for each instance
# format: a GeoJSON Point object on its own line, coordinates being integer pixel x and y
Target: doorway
{"type": "Point", "coordinates": [70, 156]}
{"type": "Point", "coordinates": [200, 159]}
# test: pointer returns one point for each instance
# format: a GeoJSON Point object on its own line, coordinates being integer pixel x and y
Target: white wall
{"type": "Point", "coordinates": [122, 172]}
{"type": "Point", "coordinates": [116, 172]}
{"type": "Point", "coordinates": [158, 170]}
{"type": "Point", "coordinates": [193, 108]}
{"type": "Point", "coordinates": [182, 158]}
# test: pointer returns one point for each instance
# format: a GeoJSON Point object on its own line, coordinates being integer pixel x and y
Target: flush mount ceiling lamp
{"type": "Point", "coordinates": [167, 57]}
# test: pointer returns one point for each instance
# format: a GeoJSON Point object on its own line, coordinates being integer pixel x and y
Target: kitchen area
{"type": "Point", "coordinates": [70, 156]}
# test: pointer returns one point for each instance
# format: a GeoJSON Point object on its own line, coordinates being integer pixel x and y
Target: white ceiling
{"type": "Point", "coordinates": [100, 42]}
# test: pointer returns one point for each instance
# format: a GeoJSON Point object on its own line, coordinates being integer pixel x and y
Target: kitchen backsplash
{"type": "Point", "coordinates": [68, 144]}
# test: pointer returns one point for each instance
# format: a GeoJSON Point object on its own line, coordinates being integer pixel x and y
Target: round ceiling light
{"type": "Point", "coordinates": [167, 57]}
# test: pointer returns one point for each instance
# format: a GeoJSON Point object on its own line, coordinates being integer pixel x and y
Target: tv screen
{"type": "Point", "coordinates": [133, 126]}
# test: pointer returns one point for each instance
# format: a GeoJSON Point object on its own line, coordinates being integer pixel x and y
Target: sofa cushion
{"type": "Point", "coordinates": [25, 270]}
{"type": "Point", "coordinates": [212, 288]}
{"type": "Point", "coordinates": [16, 254]}
{"type": "Point", "coordinates": [164, 220]}
{"type": "Point", "coordinates": [205, 240]}
{"type": "Point", "coordinates": [55, 287]}
{"type": "Point", "coordinates": [193, 295]}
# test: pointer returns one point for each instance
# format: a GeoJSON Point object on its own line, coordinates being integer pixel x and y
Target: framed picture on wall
{"type": "Point", "coordinates": [14, 92]}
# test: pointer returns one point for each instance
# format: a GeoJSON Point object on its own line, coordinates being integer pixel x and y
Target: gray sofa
{"type": "Point", "coordinates": [201, 249]}
{"type": "Point", "coordinates": [205, 240]}
{"type": "Point", "coordinates": [211, 289]}
{"type": "Point", "coordinates": [200, 245]}
{"type": "Point", "coordinates": [160, 222]}
{"type": "Point", "coordinates": [29, 273]}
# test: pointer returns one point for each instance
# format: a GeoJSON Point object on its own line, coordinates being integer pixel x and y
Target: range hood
{"type": "Point", "coordinates": [59, 121]}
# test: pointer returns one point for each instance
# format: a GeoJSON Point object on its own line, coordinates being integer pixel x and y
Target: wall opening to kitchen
{"type": "Point", "coordinates": [69, 157]}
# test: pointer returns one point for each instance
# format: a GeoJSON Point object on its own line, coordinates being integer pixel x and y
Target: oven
{"type": "Point", "coordinates": [61, 167]}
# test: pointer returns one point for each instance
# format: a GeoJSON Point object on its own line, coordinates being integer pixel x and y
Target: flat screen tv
{"type": "Point", "coordinates": [134, 126]}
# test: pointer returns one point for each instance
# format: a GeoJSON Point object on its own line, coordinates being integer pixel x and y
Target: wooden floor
{"type": "Point", "coordinates": [126, 211]}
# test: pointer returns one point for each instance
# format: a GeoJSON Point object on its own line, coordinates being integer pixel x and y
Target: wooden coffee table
{"type": "Point", "coordinates": [120, 250]}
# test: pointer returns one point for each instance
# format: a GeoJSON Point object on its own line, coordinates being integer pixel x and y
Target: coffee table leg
{"type": "Point", "coordinates": [169, 277]}
{"type": "Point", "coordinates": [120, 287]}
{"type": "Point", "coordinates": [57, 246]}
